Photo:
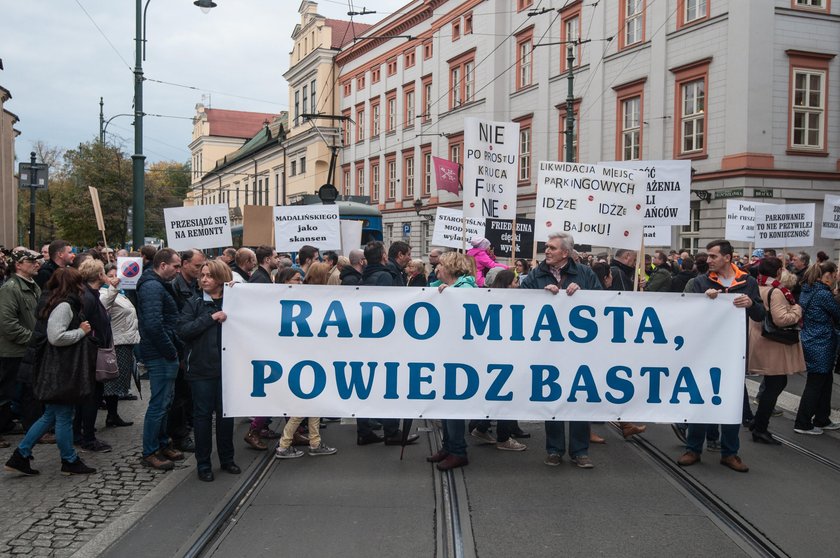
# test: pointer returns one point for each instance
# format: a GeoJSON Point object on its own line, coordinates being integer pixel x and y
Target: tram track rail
{"type": "Point", "coordinates": [830, 463]}
{"type": "Point", "coordinates": [749, 537]}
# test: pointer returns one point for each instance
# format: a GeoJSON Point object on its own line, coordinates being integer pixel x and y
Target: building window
{"type": "Point", "coordinates": [523, 4]}
{"type": "Point", "coordinates": [375, 75]}
{"type": "Point", "coordinates": [375, 115]}
{"type": "Point", "coordinates": [427, 99]}
{"type": "Point", "coordinates": [426, 151]}
{"type": "Point", "coordinates": [360, 122]}
{"type": "Point", "coordinates": [303, 165]}
{"type": "Point", "coordinates": [313, 108]}
{"type": "Point", "coordinates": [292, 173]}
{"type": "Point", "coordinates": [462, 79]}
{"type": "Point", "coordinates": [690, 233]}
{"type": "Point", "coordinates": [345, 127]}
{"type": "Point", "coordinates": [305, 104]}
{"type": "Point", "coordinates": [297, 107]}
{"type": "Point", "coordinates": [632, 17]}
{"type": "Point", "coordinates": [570, 35]}
{"type": "Point", "coordinates": [691, 11]}
{"type": "Point", "coordinates": [693, 118]}
{"type": "Point", "coordinates": [807, 101]}
{"type": "Point", "coordinates": [392, 66]}
{"type": "Point", "coordinates": [360, 83]}
{"type": "Point", "coordinates": [456, 148]}
{"type": "Point", "coordinates": [629, 120]}
{"type": "Point", "coordinates": [374, 180]}
{"type": "Point", "coordinates": [408, 175]}
{"type": "Point", "coordinates": [408, 106]}
{"type": "Point", "coordinates": [821, 5]}
{"type": "Point", "coordinates": [391, 169]}
{"type": "Point", "coordinates": [345, 180]}
{"type": "Point", "coordinates": [468, 28]}
{"type": "Point", "coordinates": [524, 59]}
{"type": "Point", "coordinates": [428, 50]}
{"type": "Point", "coordinates": [456, 29]}
{"type": "Point", "coordinates": [391, 111]}
{"type": "Point", "coordinates": [347, 88]}
{"type": "Point", "coordinates": [525, 152]}
{"type": "Point", "coordinates": [409, 59]}
{"type": "Point", "coordinates": [360, 179]}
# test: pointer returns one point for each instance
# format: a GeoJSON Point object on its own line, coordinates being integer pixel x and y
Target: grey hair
{"type": "Point", "coordinates": [567, 242]}
{"type": "Point", "coordinates": [356, 256]}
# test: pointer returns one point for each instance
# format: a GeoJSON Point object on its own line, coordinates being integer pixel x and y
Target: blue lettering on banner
{"type": "Point", "coordinates": [542, 376]}
{"type": "Point", "coordinates": [577, 321]}
{"type": "Point", "coordinates": [494, 392]}
{"type": "Point", "coordinates": [389, 320]}
{"type": "Point", "coordinates": [584, 382]}
{"type": "Point", "coordinates": [618, 313]}
{"type": "Point", "coordinates": [451, 376]}
{"type": "Point", "coordinates": [686, 384]}
{"type": "Point", "coordinates": [416, 378]}
{"type": "Point", "coordinates": [337, 318]}
{"type": "Point", "coordinates": [410, 317]}
{"type": "Point", "coordinates": [260, 379]}
{"type": "Point", "coordinates": [655, 373]}
{"type": "Point", "coordinates": [346, 387]}
{"type": "Point", "coordinates": [480, 323]}
{"type": "Point", "coordinates": [623, 385]}
{"type": "Point", "coordinates": [318, 374]}
{"type": "Point", "coordinates": [289, 318]}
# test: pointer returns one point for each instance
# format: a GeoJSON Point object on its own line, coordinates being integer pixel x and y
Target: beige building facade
{"type": "Point", "coordinates": [8, 180]}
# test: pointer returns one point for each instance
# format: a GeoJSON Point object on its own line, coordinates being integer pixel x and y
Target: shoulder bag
{"type": "Point", "coordinates": [785, 335]}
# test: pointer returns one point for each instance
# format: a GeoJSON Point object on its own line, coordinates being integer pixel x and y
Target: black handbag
{"type": "Point", "coordinates": [785, 335]}
{"type": "Point", "coordinates": [66, 375]}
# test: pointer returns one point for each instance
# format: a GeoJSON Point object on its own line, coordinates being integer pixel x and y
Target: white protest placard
{"type": "Point", "coordinates": [657, 235]}
{"type": "Point", "coordinates": [740, 220]}
{"type": "Point", "coordinates": [506, 354]}
{"type": "Point", "coordinates": [199, 226]}
{"type": "Point", "coordinates": [351, 235]}
{"type": "Point", "coordinates": [491, 164]}
{"type": "Point", "coordinates": [129, 271]}
{"type": "Point", "coordinates": [449, 228]}
{"type": "Point", "coordinates": [831, 217]}
{"type": "Point", "coordinates": [296, 226]}
{"type": "Point", "coordinates": [595, 204]}
{"type": "Point", "coordinates": [667, 189]}
{"type": "Point", "coordinates": [784, 225]}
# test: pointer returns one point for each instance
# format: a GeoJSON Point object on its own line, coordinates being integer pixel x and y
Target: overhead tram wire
{"type": "Point", "coordinates": [127, 65]}
{"type": "Point", "coordinates": [215, 91]}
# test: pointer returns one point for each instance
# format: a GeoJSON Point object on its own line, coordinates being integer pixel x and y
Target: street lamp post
{"type": "Point", "coordinates": [138, 160]}
{"type": "Point", "coordinates": [570, 105]}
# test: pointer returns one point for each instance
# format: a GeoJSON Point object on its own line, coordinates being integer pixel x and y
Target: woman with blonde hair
{"type": "Point", "coordinates": [416, 271]}
{"type": "Point", "coordinates": [317, 274]}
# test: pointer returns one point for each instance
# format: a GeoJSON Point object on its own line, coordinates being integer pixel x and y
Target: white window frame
{"type": "Point", "coordinates": [524, 154]}
{"type": "Point", "coordinates": [392, 179]}
{"type": "Point", "coordinates": [694, 10]}
{"type": "Point", "coordinates": [808, 110]}
{"type": "Point", "coordinates": [631, 128]}
{"type": "Point", "coordinates": [693, 116]}
{"type": "Point", "coordinates": [633, 21]}
{"type": "Point", "coordinates": [409, 176]}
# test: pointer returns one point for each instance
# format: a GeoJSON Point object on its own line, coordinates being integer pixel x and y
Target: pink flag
{"type": "Point", "coordinates": [448, 175]}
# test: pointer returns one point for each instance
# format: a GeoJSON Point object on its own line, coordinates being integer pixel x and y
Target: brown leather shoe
{"type": "Point", "coordinates": [437, 457]}
{"type": "Point", "coordinates": [734, 462]}
{"type": "Point", "coordinates": [171, 454]}
{"type": "Point", "coordinates": [688, 458]}
{"type": "Point", "coordinates": [157, 462]}
{"type": "Point", "coordinates": [595, 439]}
{"type": "Point", "coordinates": [629, 429]}
{"type": "Point", "coordinates": [452, 461]}
{"type": "Point", "coordinates": [252, 438]}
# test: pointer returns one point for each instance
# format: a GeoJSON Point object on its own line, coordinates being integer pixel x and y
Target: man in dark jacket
{"type": "Point", "coordinates": [266, 263]}
{"type": "Point", "coordinates": [723, 277]}
{"type": "Point", "coordinates": [18, 300]}
{"type": "Point", "coordinates": [352, 274]}
{"type": "Point", "coordinates": [560, 272]}
{"type": "Point", "coordinates": [185, 285]}
{"type": "Point", "coordinates": [681, 279]}
{"type": "Point", "coordinates": [660, 277]}
{"type": "Point", "coordinates": [399, 254]}
{"type": "Point", "coordinates": [61, 255]}
{"type": "Point", "coordinates": [157, 315]}
{"type": "Point", "coordinates": [380, 275]}
{"type": "Point", "coordinates": [623, 269]}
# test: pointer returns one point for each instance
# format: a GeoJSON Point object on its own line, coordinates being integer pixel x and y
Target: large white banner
{"type": "Point", "coordinates": [667, 189]}
{"type": "Point", "coordinates": [658, 236]}
{"type": "Point", "coordinates": [351, 235]}
{"type": "Point", "coordinates": [449, 228]}
{"type": "Point", "coordinates": [740, 220]}
{"type": "Point", "coordinates": [595, 204]}
{"type": "Point", "coordinates": [199, 226]}
{"type": "Point", "coordinates": [491, 165]}
{"type": "Point", "coordinates": [784, 225]}
{"type": "Point", "coordinates": [296, 226]}
{"type": "Point", "coordinates": [831, 217]}
{"type": "Point", "coordinates": [466, 353]}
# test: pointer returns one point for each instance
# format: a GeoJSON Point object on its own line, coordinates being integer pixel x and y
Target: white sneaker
{"type": "Point", "coordinates": [511, 445]}
{"type": "Point", "coordinates": [831, 426]}
{"type": "Point", "coordinates": [483, 436]}
{"type": "Point", "coordinates": [287, 453]}
{"type": "Point", "coordinates": [815, 431]}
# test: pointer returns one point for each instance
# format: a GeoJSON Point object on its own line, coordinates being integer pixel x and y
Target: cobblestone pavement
{"type": "Point", "coordinates": [54, 515]}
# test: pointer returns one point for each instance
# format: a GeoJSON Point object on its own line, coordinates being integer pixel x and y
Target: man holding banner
{"type": "Point", "coordinates": [723, 277]}
{"type": "Point", "coordinates": [558, 271]}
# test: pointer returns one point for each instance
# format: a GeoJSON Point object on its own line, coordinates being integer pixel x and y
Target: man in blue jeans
{"type": "Point", "coordinates": [559, 272]}
{"type": "Point", "coordinates": [157, 314]}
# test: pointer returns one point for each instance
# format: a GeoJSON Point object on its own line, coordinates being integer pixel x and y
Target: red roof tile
{"type": "Point", "coordinates": [343, 32]}
{"type": "Point", "coordinates": [236, 123]}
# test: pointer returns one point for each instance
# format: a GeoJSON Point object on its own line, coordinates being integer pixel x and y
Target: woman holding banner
{"type": "Point", "coordinates": [453, 270]}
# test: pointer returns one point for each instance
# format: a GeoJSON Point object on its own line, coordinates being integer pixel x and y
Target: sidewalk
{"type": "Point", "coordinates": [54, 515]}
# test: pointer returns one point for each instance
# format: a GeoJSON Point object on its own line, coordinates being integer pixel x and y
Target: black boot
{"type": "Point", "coordinates": [77, 467]}
{"type": "Point", "coordinates": [116, 420]}
{"type": "Point", "coordinates": [20, 464]}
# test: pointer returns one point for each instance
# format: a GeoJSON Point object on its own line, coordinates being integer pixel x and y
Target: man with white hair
{"type": "Point", "coordinates": [243, 265]}
{"type": "Point", "coordinates": [560, 272]}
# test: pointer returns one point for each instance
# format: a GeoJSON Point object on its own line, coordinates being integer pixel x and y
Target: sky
{"type": "Point", "coordinates": [61, 56]}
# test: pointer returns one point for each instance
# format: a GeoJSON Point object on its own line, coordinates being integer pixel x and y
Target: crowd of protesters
{"type": "Point", "coordinates": [62, 312]}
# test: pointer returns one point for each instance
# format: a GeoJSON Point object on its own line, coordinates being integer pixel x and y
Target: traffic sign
{"type": "Point", "coordinates": [33, 175]}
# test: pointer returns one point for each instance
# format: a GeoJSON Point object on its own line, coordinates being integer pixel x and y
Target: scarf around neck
{"type": "Point", "coordinates": [764, 281]}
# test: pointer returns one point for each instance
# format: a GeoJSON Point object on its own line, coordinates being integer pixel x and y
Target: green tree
{"type": "Point", "coordinates": [167, 184]}
{"type": "Point", "coordinates": [45, 228]}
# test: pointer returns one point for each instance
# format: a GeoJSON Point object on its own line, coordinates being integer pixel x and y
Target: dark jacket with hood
{"type": "Point", "coordinates": [380, 275]}
{"type": "Point", "coordinates": [157, 315]}
{"type": "Point", "coordinates": [202, 337]}
{"type": "Point", "coordinates": [260, 275]}
{"type": "Point", "coordinates": [401, 279]}
{"type": "Point", "coordinates": [540, 277]}
{"type": "Point", "coordinates": [45, 272]}
{"type": "Point", "coordinates": [183, 290]}
{"type": "Point", "coordinates": [622, 275]}
{"type": "Point", "coordinates": [349, 276]}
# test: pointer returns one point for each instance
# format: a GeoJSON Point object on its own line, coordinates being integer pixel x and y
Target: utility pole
{"type": "Point", "coordinates": [570, 105]}
{"type": "Point", "coordinates": [138, 160]}
{"type": "Point", "coordinates": [32, 185]}
{"type": "Point", "coordinates": [101, 120]}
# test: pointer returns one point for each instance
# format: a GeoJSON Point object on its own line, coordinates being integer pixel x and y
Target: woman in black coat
{"type": "Point", "coordinates": [200, 328]}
